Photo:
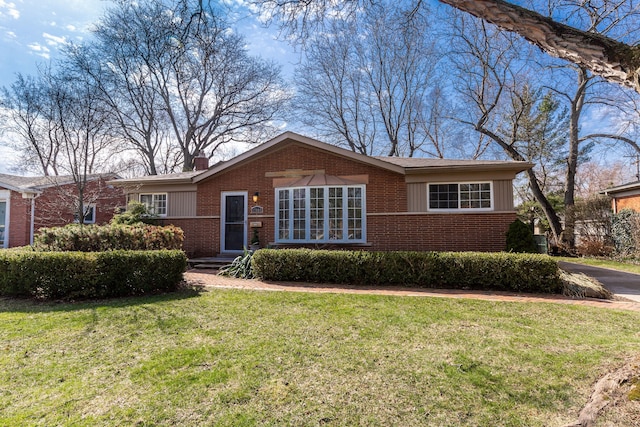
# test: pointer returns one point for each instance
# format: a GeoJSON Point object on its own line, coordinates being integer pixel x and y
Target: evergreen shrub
{"type": "Point", "coordinates": [520, 238]}
{"type": "Point", "coordinates": [451, 270]}
{"type": "Point", "coordinates": [69, 275]}
{"type": "Point", "coordinates": [97, 238]}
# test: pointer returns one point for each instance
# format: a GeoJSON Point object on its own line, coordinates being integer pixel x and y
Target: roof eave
{"type": "Point", "coordinates": [515, 167]}
{"type": "Point", "coordinates": [134, 182]}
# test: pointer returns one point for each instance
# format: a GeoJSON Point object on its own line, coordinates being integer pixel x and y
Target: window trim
{"type": "Point", "coordinates": [153, 196]}
{"type": "Point", "coordinates": [460, 209]}
{"type": "Point", "coordinates": [307, 216]}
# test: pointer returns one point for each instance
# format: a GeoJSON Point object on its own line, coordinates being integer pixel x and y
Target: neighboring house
{"type": "Point", "coordinates": [297, 191]}
{"type": "Point", "coordinates": [626, 196]}
{"type": "Point", "coordinates": [30, 203]}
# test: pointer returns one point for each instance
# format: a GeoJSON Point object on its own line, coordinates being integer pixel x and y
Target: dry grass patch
{"type": "Point", "coordinates": [579, 285]}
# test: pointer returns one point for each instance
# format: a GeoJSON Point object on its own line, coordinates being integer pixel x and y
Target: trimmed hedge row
{"type": "Point", "coordinates": [451, 270]}
{"type": "Point", "coordinates": [67, 275]}
{"type": "Point", "coordinates": [97, 238]}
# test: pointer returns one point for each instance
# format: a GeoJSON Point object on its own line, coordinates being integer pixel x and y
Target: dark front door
{"type": "Point", "coordinates": [234, 222]}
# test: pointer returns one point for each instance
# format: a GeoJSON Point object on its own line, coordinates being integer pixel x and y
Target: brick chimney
{"type": "Point", "coordinates": [201, 162]}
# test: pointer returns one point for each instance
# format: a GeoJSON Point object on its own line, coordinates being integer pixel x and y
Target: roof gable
{"type": "Point", "coordinates": [292, 137]}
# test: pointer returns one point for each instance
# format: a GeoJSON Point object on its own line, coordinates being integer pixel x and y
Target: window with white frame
{"type": "Point", "coordinates": [89, 214]}
{"type": "Point", "coordinates": [461, 196]}
{"type": "Point", "coordinates": [156, 203]}
{"type": "Point", "coordinates": [321, 214]}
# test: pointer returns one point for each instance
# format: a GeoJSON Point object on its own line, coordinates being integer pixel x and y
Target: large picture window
{"type": "Point", "coordinates": [321, 214]}
{"type": "Point", "coordinates": [461, 196]}
{"type": "Point", "coordinates": [156, 203]}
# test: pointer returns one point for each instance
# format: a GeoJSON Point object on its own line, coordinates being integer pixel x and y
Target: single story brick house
{"type": "Point", "coordinates": [297, 191]}
{"type": "Point", "coordinates": [626, 196]}
{"type": "Point", "coordinates": [30, 203]}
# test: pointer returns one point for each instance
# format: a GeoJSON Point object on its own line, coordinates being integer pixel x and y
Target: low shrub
{"type": "Point", "coordinates": [594, 246]}
{"type": "Point", "coordinates": [520, 238]}
{"type": "Point", "coordinates": [97, 238]}
{"type": "Point", "coordinates": [453, 270]}
{"type": "Point", "coordinates": [68, 275]}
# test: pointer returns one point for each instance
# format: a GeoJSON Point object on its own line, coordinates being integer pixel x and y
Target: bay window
{"type": "Point", "coordinates": [321, 214]}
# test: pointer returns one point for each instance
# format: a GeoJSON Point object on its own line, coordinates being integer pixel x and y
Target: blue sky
{"type": "Point", "coordinates": [32, 32]}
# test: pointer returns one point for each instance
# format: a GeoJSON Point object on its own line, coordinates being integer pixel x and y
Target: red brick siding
{"type": "Point", "coordinates": [19, 221]}
{"type": "Point", "coordinates": [389, 188]}
{"type": "Point", "coordinates": [386, 193]}
{"type": "Point", "coordinates": [421, 232]}
{"type": "Point", "coordinates": [201, 236]}
{"type": "Point", "coordinates": [630, 202]}
{"type": "Point", "coordinates": [52, 209]}
{"type": "Point", "coordinates": [439, 232]}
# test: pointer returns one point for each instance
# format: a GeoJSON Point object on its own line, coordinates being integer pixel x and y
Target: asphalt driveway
{"type": "Point", "coordinates": [625, 285]}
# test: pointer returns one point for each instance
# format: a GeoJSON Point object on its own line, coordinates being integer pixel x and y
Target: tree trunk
{"type": "Point", "coordinates": [615, 61]}
{"type": "Point", "coordinates": [568, 237]}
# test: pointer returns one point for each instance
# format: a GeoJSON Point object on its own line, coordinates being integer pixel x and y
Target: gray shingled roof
{"type": "Point", "coordinates": [624, 187]}
{"type": "Point", "coordinates": [37, 183]}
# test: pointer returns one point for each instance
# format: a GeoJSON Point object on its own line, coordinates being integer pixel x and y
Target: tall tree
{"type": "Point", "coordinates": [209, 89]}
{"type": "Point", "coordinates": [371, 82]}
{"type": "Point", "coordinates": [526, 123]}
{"type": "Point", "coordinates": [617, 61]}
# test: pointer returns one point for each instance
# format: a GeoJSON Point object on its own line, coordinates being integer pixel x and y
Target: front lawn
{"type": "Point", "coordinates": [232, 358]}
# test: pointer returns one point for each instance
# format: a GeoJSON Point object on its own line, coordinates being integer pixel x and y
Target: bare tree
{"type": "Point", "coordinates": [525, 123]}
{"type": "Point", "coordinates": [28, 113]}
{"type": "Point", "coordinates": [61, 129]}
{"type": "Point", "coordinates": [209, 89]}
{"type": "Point", "coordinates": [332, 91]}
{"type": "Point", "coordinates": [617, 61]}
{"type": "Point", "coordinates": [131, 98]}
{"type": "Point", "coordinates": [371, 82]}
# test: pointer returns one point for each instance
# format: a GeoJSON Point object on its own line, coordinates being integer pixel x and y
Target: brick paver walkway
{"type": "Point", "coordinates": [209, 278]}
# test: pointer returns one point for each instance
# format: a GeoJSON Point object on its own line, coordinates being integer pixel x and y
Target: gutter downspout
{"type": "Point", "coordinates": [33, 215]}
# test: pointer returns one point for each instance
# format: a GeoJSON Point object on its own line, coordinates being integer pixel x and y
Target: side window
{"type": "Point", "coordinates": [156, 203]}
{"type": "Point", "coordinates": [461, 196]}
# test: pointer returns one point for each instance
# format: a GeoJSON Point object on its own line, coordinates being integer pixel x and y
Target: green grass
{"type": "Point", "coordinates": [244, 358]}
{"type": "Point", "coordinates": [597, 262]}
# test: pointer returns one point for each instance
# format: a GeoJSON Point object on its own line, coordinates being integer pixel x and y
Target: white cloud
{"type": "Point", "coordinates": [53, 23]}
{"type": "Point", "coordinates": [40, 50]}
{"type": "Point", "coordinates": [54, 40]}
{"type": "Point", "coordinates": [11, 35]}
{"type": "Point", "coordinates": [71, 27]}
{"type": "Point", "coordinates": [9, 9]}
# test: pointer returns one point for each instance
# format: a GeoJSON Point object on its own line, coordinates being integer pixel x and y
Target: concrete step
{"type": "Point", "coordinates": [211, 262]}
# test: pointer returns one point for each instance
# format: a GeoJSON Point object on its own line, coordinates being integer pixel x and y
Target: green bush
{"type": "Point", "coordinates": [67, 275]}
{"type": "Point", "coordinates": [520, 238]}
{"type": "Point", "coordinates": [136, 213]}
{"type": "Point", "coordinates": [97, 238]}
{"type": "Point", "coordinates": [452, 270]}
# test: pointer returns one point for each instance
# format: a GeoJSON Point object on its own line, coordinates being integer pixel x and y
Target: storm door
{"type": "Point", "coordinates": [234, 222]}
